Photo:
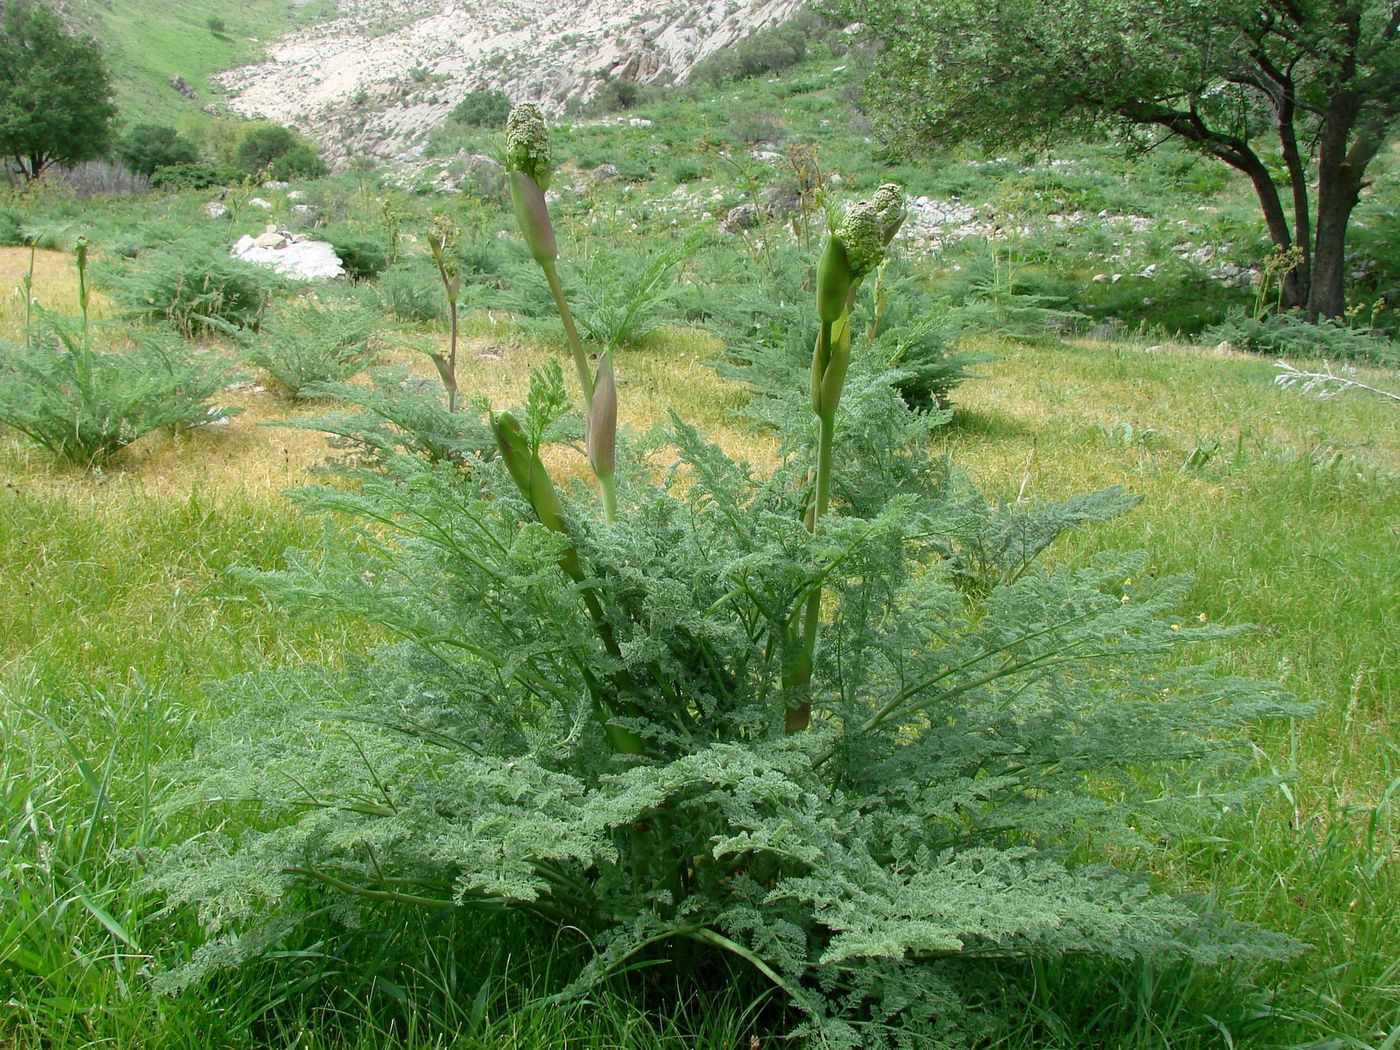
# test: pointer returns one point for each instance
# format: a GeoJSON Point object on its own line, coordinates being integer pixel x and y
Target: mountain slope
{"type": "Point", "coordinates": [376, 79]}
{"type": "Point", "coordinates": [147, 44]}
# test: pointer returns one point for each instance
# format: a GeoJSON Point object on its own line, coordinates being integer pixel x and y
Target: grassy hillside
{"type": "Point", "coordinates": [148, 44]}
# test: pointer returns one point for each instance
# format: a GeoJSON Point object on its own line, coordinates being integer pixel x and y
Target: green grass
{"type": "Point", "coordinates": [147, 44]}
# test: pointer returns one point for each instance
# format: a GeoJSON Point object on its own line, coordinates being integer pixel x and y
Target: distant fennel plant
{"type": "Point", "coordinates": [629, 725]}
{"type": "Point", "coordinates": [82, 404]}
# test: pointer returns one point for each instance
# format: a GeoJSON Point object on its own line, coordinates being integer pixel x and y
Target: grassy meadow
{"type": "Point", "coordinates": [120, 601]}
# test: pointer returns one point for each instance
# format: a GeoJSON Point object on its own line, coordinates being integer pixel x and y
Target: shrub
{"type": "Point", "coordinates": [409, 291]}
{"type": "Point", "coordinates": [482, 109]}
{"type": "Point", "coordinates": [300, 162]}
{"type": "Point", "coordinates": [398, 413]}
{"type": "Point", "coordinates": [195, 291]}
{"type": "Point", "coordinates": [147, 147]}
{"type": "Point", "coordinates": [863, 746]}
{"type": "Point", "coordinates": [280, 151]}
{"type": "Point", "coordinates": [308, 345]}
{"type": "Point", "coordinates": [196, 176]}
{"type": "Point", "coordinates": [362, 258]}
{"type": "Point", "coordinates": [1288, 335]}
{"type": "Point", "coordinates": [11, 228]}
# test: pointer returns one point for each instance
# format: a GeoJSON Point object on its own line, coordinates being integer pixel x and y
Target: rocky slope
{"type": "Point", "coordinates": [374, 80]}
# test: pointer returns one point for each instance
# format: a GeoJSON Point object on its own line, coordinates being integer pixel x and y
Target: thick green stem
{"type": "Point", "coordinates": [452, 355]}
{"type": "Point", "coordinates": [607, 484]}
{"type": "Point", "coordinates": [585, 373]}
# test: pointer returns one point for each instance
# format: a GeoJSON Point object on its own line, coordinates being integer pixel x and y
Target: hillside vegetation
{"type": "Point", "coordinates": [147, 45]}
{"type": "Point", "coordinates": [1052, 326]}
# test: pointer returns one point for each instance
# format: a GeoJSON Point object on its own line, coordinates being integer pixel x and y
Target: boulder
{"type": "Point", "coordinates": [290, 255]}
{"type": "Point", "coordinates": [258, 202]}
{"type": "Point", "coordinates": [740, 217]}
{"type": "Point", "coordinates": [215, 210]}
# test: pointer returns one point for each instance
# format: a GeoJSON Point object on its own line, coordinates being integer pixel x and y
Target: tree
{"type": "Point", "coordinates": [1322, 77]}
{"type": "Point", "coordinates": [147, 147]}
{"type": "Point", "coordinates": [280, 152]}
{"type": "Point", "coordinates": [55, 92]}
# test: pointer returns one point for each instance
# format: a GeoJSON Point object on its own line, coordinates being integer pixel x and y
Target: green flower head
{"type": "Point", "coordinates": [527, 143]}
{"type": "Point", "coordinates": [862, 237]}
{"type": "Point", "coordinates": [889, 203]}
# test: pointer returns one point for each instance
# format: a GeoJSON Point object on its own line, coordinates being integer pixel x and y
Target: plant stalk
{"type": "Point", "coordinates": [585, 373]}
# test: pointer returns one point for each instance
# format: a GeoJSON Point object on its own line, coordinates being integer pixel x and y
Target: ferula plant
{"type": "Point", "coordinates": [834, 731]}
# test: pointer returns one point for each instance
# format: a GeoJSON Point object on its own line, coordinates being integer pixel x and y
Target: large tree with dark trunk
{"type": "Point", "coordinates": [55, 92]}
{"type": "Point", "coordinates": [1285, 91]}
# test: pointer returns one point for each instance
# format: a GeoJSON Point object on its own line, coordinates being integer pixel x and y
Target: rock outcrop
{"type": "Point", "coordinates": [376, 79]}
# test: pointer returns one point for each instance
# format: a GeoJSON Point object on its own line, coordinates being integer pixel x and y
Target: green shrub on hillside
{"type": "Point", "coordinates": [147, 147]}
{"type": "Point", "coordinates": [280, 152]}
{"type": "Point", "coordinates": [1289, 335]}
{"type": "Point", "coordinates": [303, 346]}
{"type": "Point", "coordinates": [409, 291]}
{"type": "Point", "coordinates": [195, 290]}
{"type": "Point", "coordinates": [196, 176]}
{"type": "Point", "coordinates": [482, 109]}
{"type": "Point", "coordinates": [82, 404]}
{"type": "Point", "coordinates": [363, 258]}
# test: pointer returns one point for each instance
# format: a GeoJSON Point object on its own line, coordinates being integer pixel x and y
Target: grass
{"type": "Point", "coordinates": [149, 44]}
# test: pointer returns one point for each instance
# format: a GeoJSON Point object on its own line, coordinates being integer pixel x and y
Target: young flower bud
{"type": "Point", "coordinates": [889, 204]}
{"type": "Point", "coordinates": [862, 234]}
{"type": "Point", "coordinates": [527, 471]}
{"type": "Point", "coordinates": [601, 438]}
{"type": "Point", "coordinates": [527, 143]}
{"type": "Point", "coordinates": [851, 252]}
{"type": "Point", "coordinates": [532, 216]}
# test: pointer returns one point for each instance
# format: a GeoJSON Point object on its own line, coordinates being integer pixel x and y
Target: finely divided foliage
{"type": "Point", "coordinates": [592, 714]}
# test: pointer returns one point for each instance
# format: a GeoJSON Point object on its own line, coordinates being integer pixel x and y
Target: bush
{"type": "Point", "coordinates": [195, 291]}
{"type": "Point", "coordinates": [147, 147]}
{"type": "Point", "coordinates": [308, 345]}
{"type": "Point", "coordinates": [769, 50]}
{"type": "Point", "coordinates": [11, 228]}
{"type": "Point", "coordinates": [196, 176]}
{"type": "Point", "coordinates": [300, 162]}
{"type": "Point", "coordinates": [280, 151]}
{"type": "Point", "coordinates": [82, 404]}
{"type": "Point", "coordinates": [398, 413]}
{"type": "Point", "coordinates": [1288, 335]}
{"type": "Point", "coordinates": [482, 109]}
{"type": "Point", "coordinates": [362, 258]}
{"type": "Point", "coordinates": [410, 290]}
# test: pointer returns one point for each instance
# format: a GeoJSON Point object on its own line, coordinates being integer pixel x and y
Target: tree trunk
{"type": "Point", "coordinates": [1294, 289]}
{"type": "Point", "coordinates": [1335, 199]}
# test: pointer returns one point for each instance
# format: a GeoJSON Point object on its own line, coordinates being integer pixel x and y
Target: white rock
{"type": "Point", "coordinates": [258, 202]}
{"type": "Point", "coordinates": [296, 195]}
{"type": "Point", "coordinates": [215, 210]}
{"type": "Point", "coordinates": [309, 260]}
{"type": "Point", "coordinates": [275, 184]}
{"type": "Point", "coordinates": [639, 122]}
{"type": "Point", "coordinates": [270, 239]}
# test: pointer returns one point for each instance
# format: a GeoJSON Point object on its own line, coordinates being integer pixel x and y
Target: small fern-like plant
{"type": "Point", "coordinates": [834, 726]}
{"type": "Point", "coordinates": [81, 403]}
